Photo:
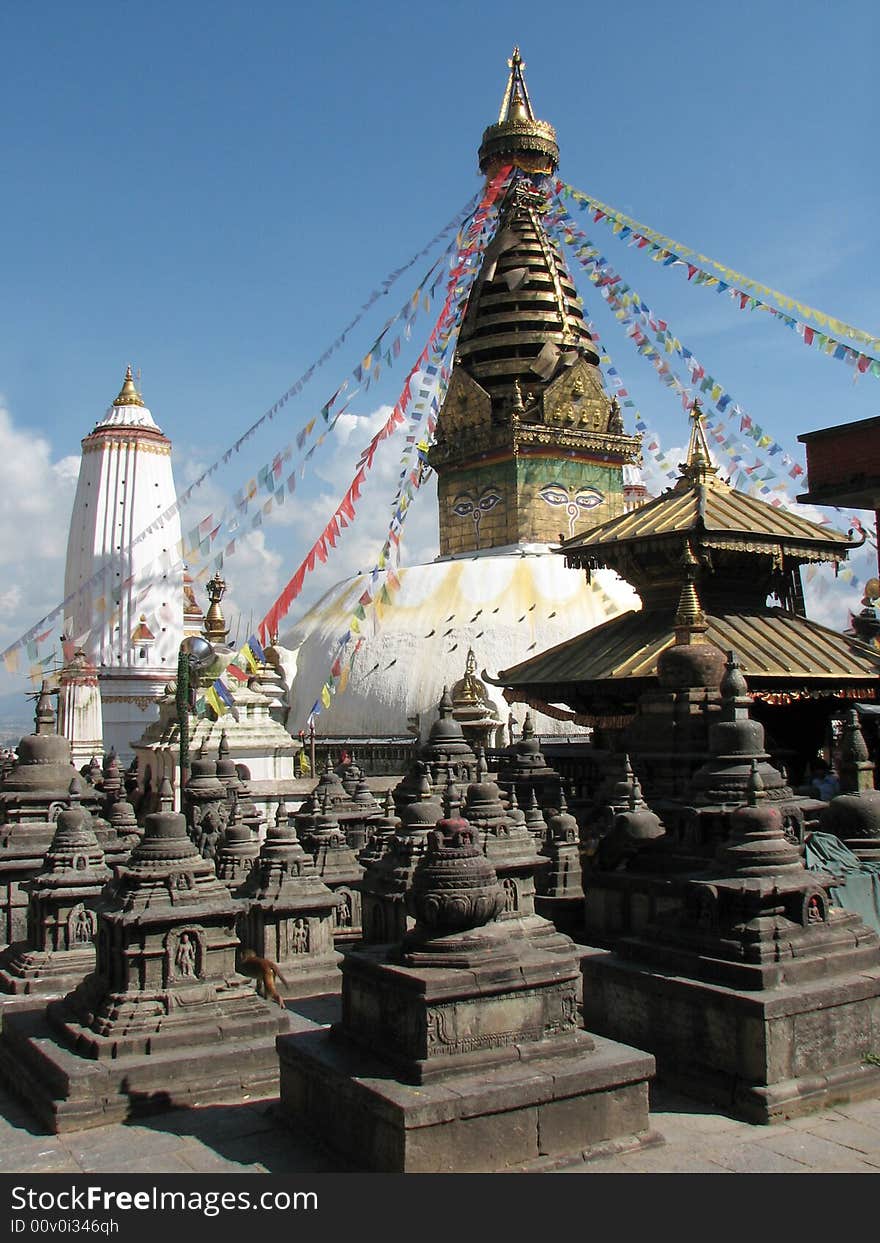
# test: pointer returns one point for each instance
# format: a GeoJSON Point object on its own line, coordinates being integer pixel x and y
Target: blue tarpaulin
{"type": "Point", "coordinates": [860, 890]}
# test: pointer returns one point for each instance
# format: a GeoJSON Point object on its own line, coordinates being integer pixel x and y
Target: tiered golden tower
{"type": "Point", "coordinates": [529, 446]}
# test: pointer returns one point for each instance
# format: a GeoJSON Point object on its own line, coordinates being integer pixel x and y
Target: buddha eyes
{"type": "Point", "coordinates": [589, 498]}
{"type": "Point", "coordinates": [554, 495]}
{"type": "Point", "coordinates": [466, 504]}
{"type": "Point", "coordinates": [586, 498]}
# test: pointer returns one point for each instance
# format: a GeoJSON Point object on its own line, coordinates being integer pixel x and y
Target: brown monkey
{"type": "Point", "coordinates": [265, 972]}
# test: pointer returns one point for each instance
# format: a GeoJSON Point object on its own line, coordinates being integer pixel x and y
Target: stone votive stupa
{"type": "Point", "coordinates": [291, 915]}
{"type": "Point", "coordinates": [337, 866]}
{"type": "Point", "coordinates": [382, 830]}
{"type": "Point", "coordinates": [32, 794]}
{"type": "Point", "coordinates": [205, 805]}
{"type": "Point", "coordinates": [754, 993]}
{"type": "Point", "coordinates": [511, 850]}
{"type": "Point", "coordinates": [459, 1049]}
{"type": "Point", "coordinates": [524, 768]}
{"type": "Point", "coordinates": [534, 819]}
{"type": "Point", "coordinates": [387, 881]}
{"type": "Point", "coordinates": [854, 814]}
{"type": "Point", "coordinates": [237, 854]}
{"type": "Point", "coordinates": [62, 911]}
{"type": "Point", "coordinates": [639, 871]}
{"type": "Point", "coordinates": [164, 1020]}
{"type": "Point", "coordinates": [559, 894]}
{"type": "Point", "coordinates": [444, 749]}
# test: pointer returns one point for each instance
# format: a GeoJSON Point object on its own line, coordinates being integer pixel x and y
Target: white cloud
{"type": "Point", "coordinates": [10, 601]}
{"type": "Point", "coordinates": [35, 504]}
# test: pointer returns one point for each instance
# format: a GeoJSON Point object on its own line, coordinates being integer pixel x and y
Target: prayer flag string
{"type": "Point", "coordinates": [748, 293]}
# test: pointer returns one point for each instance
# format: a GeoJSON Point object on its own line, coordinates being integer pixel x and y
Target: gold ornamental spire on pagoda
{"type": "Point", "coordinates": [689, 616]}
{"type": "Point", "coordinates": [518, 137]}
{"type": "Point", "coordinates": [128, 394]}
{"type": "Point", "coordinates": [699, 467]}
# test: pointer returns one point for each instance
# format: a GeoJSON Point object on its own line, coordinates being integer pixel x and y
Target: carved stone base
{"type": "Point", "coordinates": [764, 1055]}
{"type": "Point", "coordinates": [26, 972]}
{"type": "Point", "coordinates": [490, 999]}
{"type": "Point", "coordinates": [312, 979]}
{"type": "Point", "coordinates": [67, 1092]}
{"type": "Point", "coordinates": [537, 1115]}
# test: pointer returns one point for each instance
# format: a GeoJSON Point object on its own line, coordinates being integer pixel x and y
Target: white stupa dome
{"type": "Point", "coordinates": [505, 603]}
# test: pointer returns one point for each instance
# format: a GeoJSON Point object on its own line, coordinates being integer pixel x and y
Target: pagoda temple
{"type": "Point", "coordinates": [745, 551]}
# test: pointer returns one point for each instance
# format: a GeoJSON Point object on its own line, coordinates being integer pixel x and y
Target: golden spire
{"type": "Point", "coordinates": [698, 467]}
{"type": "Point", "coordinates": [128, 394]}
{"type": "Point", "coordinates": [215, 629]}
{"type": "Point", "coordinates": [518, 137]}
{"type": "Point", "coordinates": [516, 104]}
{"type": "Point", "coordinates": [689, 615]}
{"type": "Point", "coordinates": [469, 689]}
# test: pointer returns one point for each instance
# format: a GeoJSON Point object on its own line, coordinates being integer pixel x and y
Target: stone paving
{"type": "Point", "coordinates": [252, 1138]}
{"type": "Point", "coordinates": [247, 1139]}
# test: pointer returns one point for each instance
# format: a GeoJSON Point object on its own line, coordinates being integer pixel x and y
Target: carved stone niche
{"type": "Point", "coordinates": [81, 927]}
{"type": "Point", "coordinates": [184, 954]}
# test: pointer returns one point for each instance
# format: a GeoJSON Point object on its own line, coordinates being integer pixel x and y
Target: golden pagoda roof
{"type": "Point", "coordinates": [524, 319]}
{"type": "Point", "coordinates": [700, 504]}
{"type": "Point", "coordinates": [142, 632]}
{"type": "Point", "coordinates": [773, 646]}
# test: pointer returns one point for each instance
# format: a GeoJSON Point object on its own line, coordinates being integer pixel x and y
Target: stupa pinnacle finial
{"type": "Point", "coordinates": [45, 713]}
{"type": "Point", "coordinates": [215, 630]}
{"type": "Point", "coordinates": [516, 104]}
{"type": "Point", "coordinates": [518, 137]}
{"type": "Point", "coordinates": [698, 467]}
{"type": "Point", "coordinates": [128, 394]}
{"type": "Point", "coordinates": [689, 615]}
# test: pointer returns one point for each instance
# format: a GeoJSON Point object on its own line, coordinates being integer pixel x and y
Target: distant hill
{"type": "Point", "coordinates": [16, 717]}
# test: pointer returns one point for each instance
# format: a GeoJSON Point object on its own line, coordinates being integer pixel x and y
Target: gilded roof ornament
{"type": "Point", "coordinates": [689, 615]}
{"type": "Point", "coordinates": [215, 629]}
{"type": "Point", "coordinates": [518, 137]}
{"type": "Point", "coordinates": [698, 467]}
{"type": "Point", "coordinates": [517, 93]}
{"type": "Point", "coordinates": [469, 689]}
{"type": "Point", "coordinates": [128, 394]}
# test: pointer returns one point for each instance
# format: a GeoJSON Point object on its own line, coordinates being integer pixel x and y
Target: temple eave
{"type": "Point", "coordinates": [778, 651]}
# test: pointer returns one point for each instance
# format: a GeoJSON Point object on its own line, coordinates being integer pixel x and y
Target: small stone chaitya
{"type": "Point", "coordinates": [164, 1019]}
{"type": "Point", "coordinates": [62, 910]}
{"type": "Point", "coordinates": [459, 1047]}
{"type": "Point", "coordinates": [752, 990]}
{"type": "Point", "coordinates": [291, 914]}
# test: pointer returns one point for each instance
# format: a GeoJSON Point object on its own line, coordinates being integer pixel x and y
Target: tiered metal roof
{"type": "Point", "coordinates": [524, 316]}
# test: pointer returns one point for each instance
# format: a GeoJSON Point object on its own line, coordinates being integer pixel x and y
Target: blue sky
{"type": "Point", "coordinates": [211, 190]}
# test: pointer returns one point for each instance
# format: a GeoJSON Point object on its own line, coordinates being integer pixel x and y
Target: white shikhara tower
{"type": "Point", "coordinates": [129, 620]}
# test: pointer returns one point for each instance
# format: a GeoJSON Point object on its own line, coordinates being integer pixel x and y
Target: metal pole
{"type": "Point", "coordinates": [182, 700]}
{"type": "Point", "coordinates": [312, 746]}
